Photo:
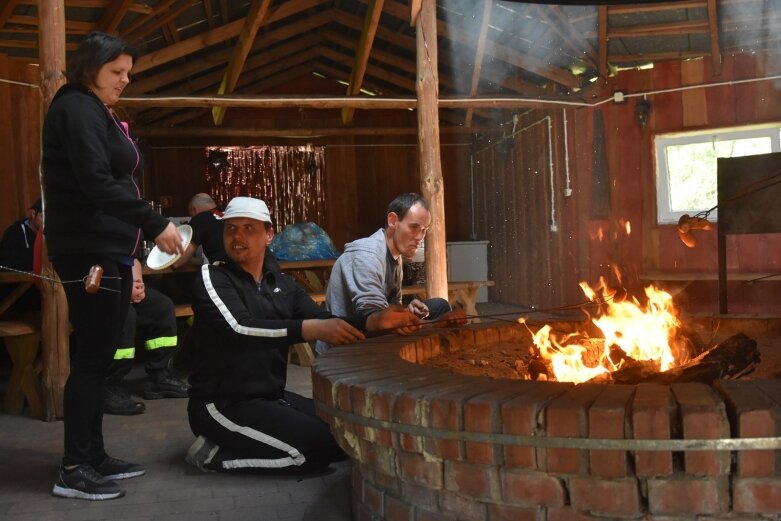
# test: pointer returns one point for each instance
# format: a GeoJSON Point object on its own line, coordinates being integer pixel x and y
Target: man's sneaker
{"type": "Point", "coordinates": [201, 453]}
{"type": "Point", "coordinates": [83, 482]}
{"type": "Point", "coordinates": [117, 402]}
{"type": "Point", "coordinates": [113, 468]}
{"type": "Point", "coordinates": [165, 384]}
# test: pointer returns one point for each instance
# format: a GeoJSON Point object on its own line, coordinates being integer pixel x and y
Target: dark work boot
{"type": "Point", "coordinates": [165, 384]}
{"type": "Point", "coordinates": [118, 401]}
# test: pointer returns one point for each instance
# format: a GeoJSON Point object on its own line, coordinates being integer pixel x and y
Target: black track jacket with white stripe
{"type": "Point", "coordinates": [242, 330]}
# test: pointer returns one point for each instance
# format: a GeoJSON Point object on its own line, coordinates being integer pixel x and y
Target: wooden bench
{"type": "Point", "coordinates": [22, 339]}
{"type": "Point", "coordinates": [302, 350]}
{"type": "Point", "coordinates": [461, 294]}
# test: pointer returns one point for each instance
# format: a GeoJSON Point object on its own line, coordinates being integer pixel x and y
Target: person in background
{"type": "Point", "coordinates": [17, 252]}
{"type": "Point", "coordinates": [16, 247]}
{"type": "Point", "coordinates": [246, 315]}
{"type": "Point", "coordinates": [95, 216]}
{"type": "Point", "coordinates": [207, 230]}
{"type": "Point", "coordinates": [151, 317]}
{"type": "Point", "coordinates": [367, 277]}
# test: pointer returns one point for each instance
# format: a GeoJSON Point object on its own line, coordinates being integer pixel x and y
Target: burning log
{"type": "Point", "coordinates": [733, 358]}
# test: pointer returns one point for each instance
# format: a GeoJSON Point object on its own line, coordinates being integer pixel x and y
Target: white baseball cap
{"type": "Point", "coordinates": [248, 207]}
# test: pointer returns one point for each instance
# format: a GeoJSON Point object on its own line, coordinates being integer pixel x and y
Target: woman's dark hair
{"type": "Point", "coordinates": [96, 50]}
{"type": "Point", "coordinates": [402, 203]}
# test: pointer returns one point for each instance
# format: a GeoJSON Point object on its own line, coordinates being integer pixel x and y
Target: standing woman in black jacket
{"type": "Point", "coordinates": [94, 216]}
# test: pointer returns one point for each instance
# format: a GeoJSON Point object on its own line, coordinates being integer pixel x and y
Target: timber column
{"type": "Point", "coordinates": [55, 326]}
{"type": "Point", "coordinates": [431, 184]}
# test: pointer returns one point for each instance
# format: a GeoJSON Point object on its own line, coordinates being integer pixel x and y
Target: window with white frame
{"type": "Point", "coordinates": [686, 165]}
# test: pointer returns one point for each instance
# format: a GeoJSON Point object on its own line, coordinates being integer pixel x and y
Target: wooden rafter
{"type": "Point", "coordinates": [6, 11]}
{"type": "Point", "coordinates": [218, 35]}
{"type": "Point", "coordinates": [208, 13]}
{"type": "Point", "coordinates": [155, 23]}
{"type": "Point", "coordinates": [71, 26]}
{"type": "Point", "coordinates": [373, 13]}
{"type": "Point", "coordinates": [479, 52]}
{"type": "Point", "coordinates": [414, 11]}
{"type": "Point", "coordinates": [257, 12]}
{"type": "Point", "coordinates": [571, 36]}
{"type": "Point", "coordinates": [715, 46]}
{"type": "Point", "coordinates": [141, 20]}
{"type": "Point", "coordinates": [668, 29]}
{"type": "Point", "coordinates": [91, 4]}
{"type": "Point", "coordinates": [502, 52]}
{"type": "Point", "coordinates": [307, 26]}
{"type": "Point", "coordinates": [603, 41]}
{"type": "Point", "coordinates": [113, 15]}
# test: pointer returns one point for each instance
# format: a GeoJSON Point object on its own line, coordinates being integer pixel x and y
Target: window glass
{"type": "Point", "coordinates": [686, 166]}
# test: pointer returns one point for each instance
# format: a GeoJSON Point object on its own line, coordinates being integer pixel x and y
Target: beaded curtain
{"type": "Point", "coordinates": [290, 179]}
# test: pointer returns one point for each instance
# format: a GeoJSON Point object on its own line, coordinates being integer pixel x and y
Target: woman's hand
{"type": "Point", "coordinates": [169, 240]}
{"type": "Point", "coordinates": [138, 293]}
{"type": "Point", "coordinates": [418, 308]}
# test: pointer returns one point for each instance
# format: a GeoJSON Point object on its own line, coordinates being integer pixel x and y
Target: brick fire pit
{"type": "Point", "coordinates": [430, 445]}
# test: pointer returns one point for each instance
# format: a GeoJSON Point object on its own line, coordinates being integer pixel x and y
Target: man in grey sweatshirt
{"type": "Point", "coordinates": [366, 278]}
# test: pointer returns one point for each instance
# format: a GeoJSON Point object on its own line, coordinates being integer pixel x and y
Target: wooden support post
{"type": "Point", "coordinates": [55, 326]}
{"type": "Point", "coordinates": [431, 184]}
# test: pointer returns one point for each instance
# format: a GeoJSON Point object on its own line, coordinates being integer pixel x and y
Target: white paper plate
{"type": "Point", "coordinates": [158, 259]}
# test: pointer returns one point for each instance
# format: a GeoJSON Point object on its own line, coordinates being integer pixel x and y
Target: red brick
{"type": "Point", "coordinates": [410, 408]}
{"type": "Point", "coordinates": [481, 414]}
{"type": "Point", "coordinates": [683, 494]}
{"type": "Point", "coordinates": [419, 469]}
{"type": "Point", "coordinates": [476, 481]}
{"type": "Point", "coordinates": [570, 514]}
{"type": "Point", "coordinates": [464, 509]}
{"type": "Point", "coordinates": [607, 419]}
{"type": "Point", "coordinates": [520, 416]}
{"type": "Point", "coordinates": [756, 495]}
{"type": "Point", "coordinates": [374, 499]}
{"type": "Point", "coordinates": [420, 495]}
{"type": "Point", "coordinates": [397, 510]}
{"type": "Point", "coordinates": [445, 411]}
{"type": "Point", "coordinates": [652, 412]}
{"type": "Point", "coordinates": [704, 417]}
{"type": "Point", "coordinates": [532, 488]}
{"type": "Point", "coordinates": [567, 416]}
{"type": "Point", "coordinates": [380, 458]}
{"type": "Point", "coordinates": [422, 514]}
{"type": "Point", "coordinates": [754, 414]}
{"type": "Point", "coordinates": [606, 497]}
{"type": "Point", "coordinates": [361, 513]}
{"type": "Point", "coordinates": [510, 513]}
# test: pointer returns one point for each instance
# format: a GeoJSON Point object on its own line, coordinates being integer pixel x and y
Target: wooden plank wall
{"type": "Point", "coordinates": [534, 266]}
{"type": "Point", "coordinates": [20, 105]}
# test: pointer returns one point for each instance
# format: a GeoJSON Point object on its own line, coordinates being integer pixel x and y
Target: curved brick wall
{"type": "Point", "coordinates": [412, 476]}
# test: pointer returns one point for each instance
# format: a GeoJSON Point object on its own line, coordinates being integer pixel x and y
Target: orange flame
{"type": "Point", "coordinates": [642, 332]}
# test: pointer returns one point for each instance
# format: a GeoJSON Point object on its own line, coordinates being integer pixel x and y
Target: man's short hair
{"type": "Point", "coordinates": [402, 203]}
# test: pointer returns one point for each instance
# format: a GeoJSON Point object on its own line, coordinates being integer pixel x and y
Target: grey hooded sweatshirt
{"type": "Point", "coordinates": [364, 279]}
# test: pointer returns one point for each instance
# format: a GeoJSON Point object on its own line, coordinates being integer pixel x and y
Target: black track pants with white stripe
{"type": "Point", "coordinates": [265, 436]}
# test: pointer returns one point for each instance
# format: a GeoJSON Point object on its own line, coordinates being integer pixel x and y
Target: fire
{"type": "Point", "coordinates": [643, 332]}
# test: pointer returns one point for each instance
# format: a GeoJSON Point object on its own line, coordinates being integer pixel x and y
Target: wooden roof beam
{"type": "Point", "coordinates": [158, 23]}
{"type": "Point", "coordinates": [257, 12]}
{"type": "Point", "coordinates": [6, 11]}
{"type": "Point", "coordinates": [113, 15]}
{"type": "Point", "coordinates": [569, 34]}
{"type": "Point", "coordinates": [219, 35]}
{"type": "Point", "coordinates": [89, 4]}
{"type": "Point", "coordinates": [603, 40]}
{"type": "Point", "coordinates": [688, 27]}
{"type": "Point", "coordinates": [141, 20]}
{"type": "Point", "coordinates": [71, 26]}
{"type": "Point", "coordinates": [309, 26]}
{"type": "Point", "coordinates": [477, 66]}
{"type": "Point", "coordinates": [373, 13]}
{"type": "Point", "coordinates": [496, 50]}
{"type": "Point", "coordinates": [208, 12]}
{"type": "Point", "coordinates": [715, 46]}
{"type": "Point", "coordinates": [274, 63]}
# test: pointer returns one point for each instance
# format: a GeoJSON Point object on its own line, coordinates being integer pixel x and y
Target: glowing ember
{"type": "Point", "coordinates": [642, 332]}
